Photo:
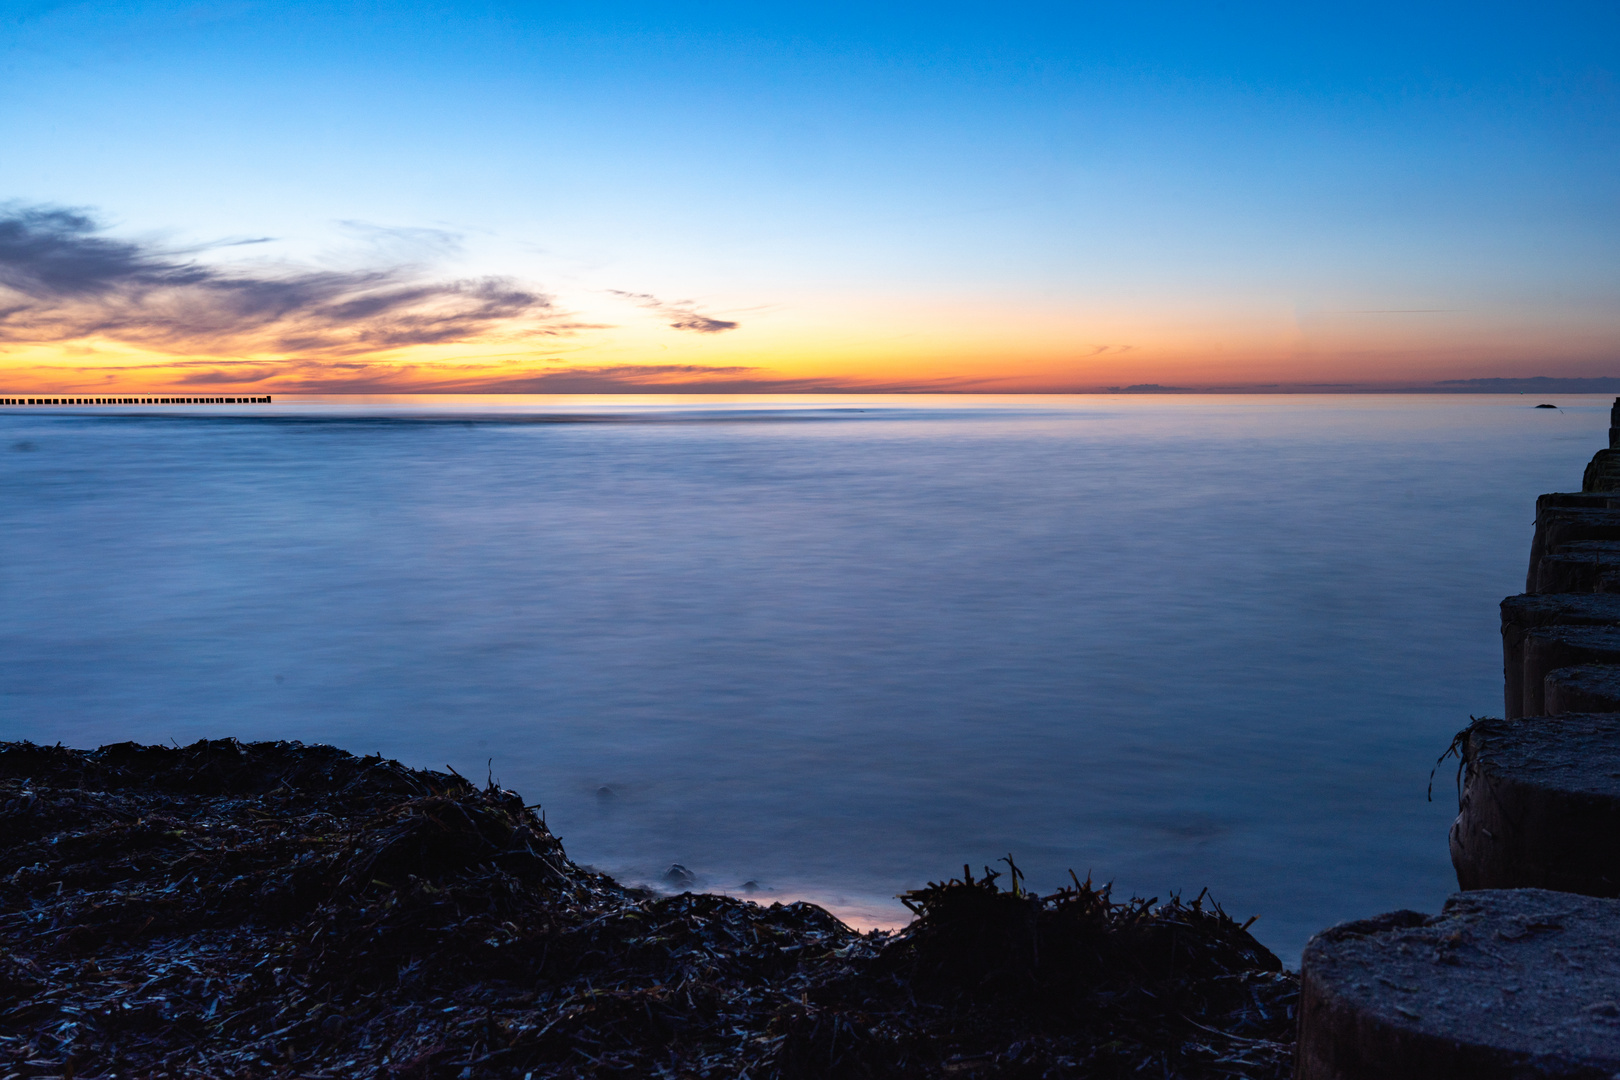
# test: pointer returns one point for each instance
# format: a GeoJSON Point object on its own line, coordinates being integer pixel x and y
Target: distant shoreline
{"type": "Point", "coordinates": [1540, 384]}
{"type": "Point", "coordinates": [1463, 387]}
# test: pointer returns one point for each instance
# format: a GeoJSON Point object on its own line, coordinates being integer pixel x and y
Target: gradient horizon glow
{"type": "Point", "coordinates": [543, 198]}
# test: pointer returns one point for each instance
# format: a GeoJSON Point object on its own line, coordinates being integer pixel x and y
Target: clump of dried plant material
{"type": "Point", "coordinates": [229, 910]}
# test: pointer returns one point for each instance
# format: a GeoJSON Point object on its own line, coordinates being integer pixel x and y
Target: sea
{"type": "Point", "coordinates": [825, 648]}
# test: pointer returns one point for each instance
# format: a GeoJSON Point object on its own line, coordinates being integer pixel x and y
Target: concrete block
{"type": "Point", "coordinates": [1522, 613]}
{"type": "Point", "coordinates": [1566, 518]}
{"type": "Point", "coordinates": [1548, 648]}
{"type": "Point", "coordinates": [1603, 471]}
{"type": "Point", "coordinates": [1541, 805]}
{"type": "Point", "coordinates": [1584, 688]}
{"type": "Point", "coordinates": [1501, 984]}
{"type": "Point", "coordinates": [1585, 566]}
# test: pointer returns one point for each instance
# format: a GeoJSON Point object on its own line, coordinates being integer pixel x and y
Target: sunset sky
{"type": "Point", "coordinates": [283, 197]}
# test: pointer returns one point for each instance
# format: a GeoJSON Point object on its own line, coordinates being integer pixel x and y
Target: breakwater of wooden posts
{"type": "Point", "coordinates": [1519, 975]}
{"type": "Point", "coordinates": [265, 400]}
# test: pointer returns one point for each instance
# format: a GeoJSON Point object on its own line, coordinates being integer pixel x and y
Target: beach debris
{"type": "Point", "coordinates": [230, 910]}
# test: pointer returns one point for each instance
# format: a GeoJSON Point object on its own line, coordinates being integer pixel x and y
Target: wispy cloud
{"type": "Point", "coordinates": [682, 315]}
{"type": "Point", "coordinates": [400, 244]}
{"type": "Point", "coordinates": [63, 279]}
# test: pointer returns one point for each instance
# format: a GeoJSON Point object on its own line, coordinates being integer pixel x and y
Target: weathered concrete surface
{"type": "Point", "coordinates": [1502, 984]}
{"type": "Point", "coordinates": [1541, 805]}
{"type": "Point", "coordinates": [1548, 648]}
{"type": "Point", "coordinates": [1585, 566]}
{"type": "Point", "coordinates": [1589, 500]}
{"type": "Point", "coordinates": [1585, 688]}
{"type": "Point", "coordinates": [1603, 471]}
{"type": "Point", "coordinates": [1570, 517]}
{"type": "Point", "coordinates": [1523, 613]}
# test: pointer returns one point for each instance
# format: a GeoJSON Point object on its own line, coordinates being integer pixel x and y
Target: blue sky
{"type": "Point", "coordinates": [1030, 196]}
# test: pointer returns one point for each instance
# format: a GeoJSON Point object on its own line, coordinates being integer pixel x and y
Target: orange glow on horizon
{"type": "Point", "coordinates": [924, 347]}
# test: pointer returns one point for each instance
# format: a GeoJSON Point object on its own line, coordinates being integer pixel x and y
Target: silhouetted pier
{"type": "Point", "coordinates": [265, 400]}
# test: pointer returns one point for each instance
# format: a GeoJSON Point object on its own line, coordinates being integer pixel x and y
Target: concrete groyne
{"type": "Point", "coordinates": [1519, 975]}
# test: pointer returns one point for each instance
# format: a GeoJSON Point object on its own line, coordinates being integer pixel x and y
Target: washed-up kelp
{"type": "Point", "coordinates": [229, 910]}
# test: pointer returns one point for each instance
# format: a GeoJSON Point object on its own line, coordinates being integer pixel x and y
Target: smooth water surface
{"type": "Point", "coordinates": [834, 647]}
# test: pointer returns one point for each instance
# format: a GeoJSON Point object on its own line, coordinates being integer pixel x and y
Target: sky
{"type": "Point", "coordinates": [503, 197]}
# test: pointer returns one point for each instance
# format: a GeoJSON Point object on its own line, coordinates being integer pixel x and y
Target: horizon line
{"type": "Point", "coordinates": [1535, 384]}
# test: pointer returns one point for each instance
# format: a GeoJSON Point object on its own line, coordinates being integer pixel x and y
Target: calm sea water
{"type": "Point", "coordinates": [833, 647]}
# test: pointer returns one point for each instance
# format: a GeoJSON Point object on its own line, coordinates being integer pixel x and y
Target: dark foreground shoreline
{"type": "Point", "coordinates": [230, 910]}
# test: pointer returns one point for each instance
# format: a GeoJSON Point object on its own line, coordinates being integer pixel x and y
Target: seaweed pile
{"type": "Point", "coordinates": [230, 910]}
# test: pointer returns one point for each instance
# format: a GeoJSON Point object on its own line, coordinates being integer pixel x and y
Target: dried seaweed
{"type": "Point", "coordinates": [231, 910]}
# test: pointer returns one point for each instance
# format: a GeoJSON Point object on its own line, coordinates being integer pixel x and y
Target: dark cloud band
{"type": "Point", "coordinates": [63, 279]}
